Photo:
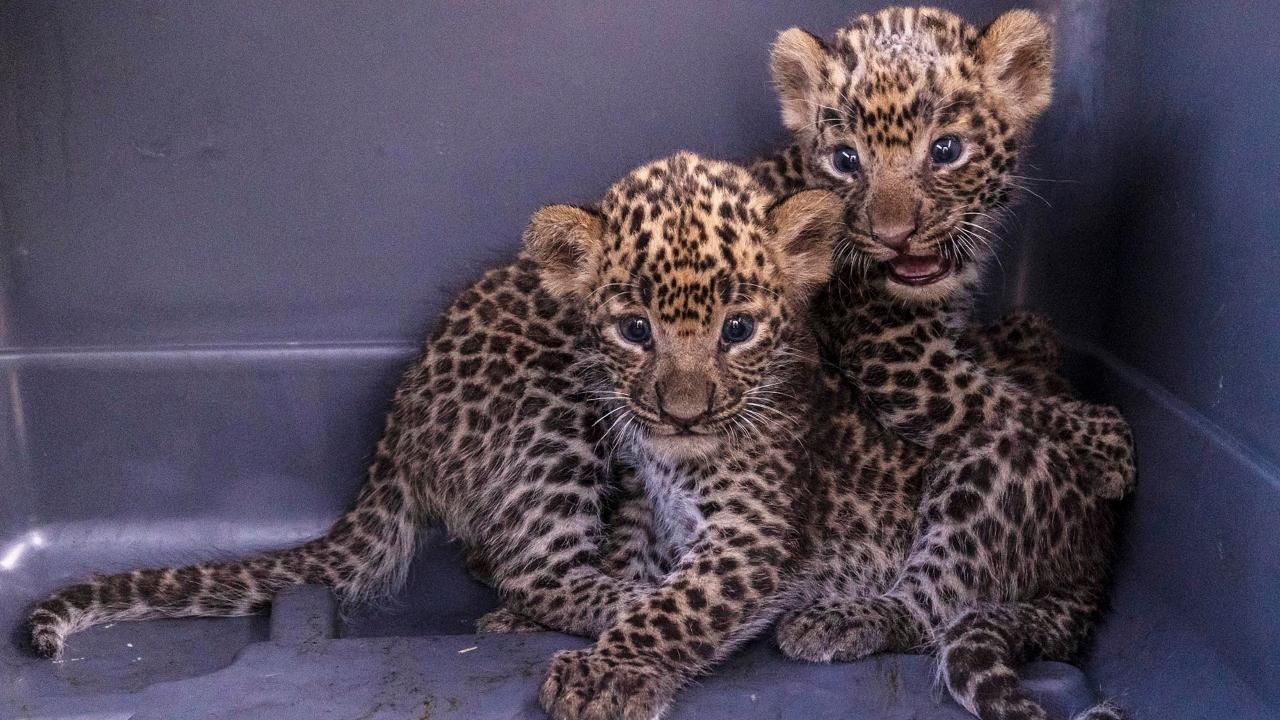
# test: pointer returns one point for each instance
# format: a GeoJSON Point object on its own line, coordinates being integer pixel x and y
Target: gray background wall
{"type": "Point", "coordinates": [1161, 244]}
{"type": "Point", "coordinates": [224, 227]}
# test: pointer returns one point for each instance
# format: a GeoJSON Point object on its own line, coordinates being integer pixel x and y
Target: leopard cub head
{"type": "Point", "coordinates": [916, 118]}
{"type": "Point", "coordinates": [693, 282]}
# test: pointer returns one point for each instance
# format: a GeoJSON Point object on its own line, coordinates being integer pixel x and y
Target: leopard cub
{"type": "Point", "coordinates": [694, 286]}
{"type": "Point", "coordinates": [658, 342]}
{"type": "Point", "coordinates": [918, 119]}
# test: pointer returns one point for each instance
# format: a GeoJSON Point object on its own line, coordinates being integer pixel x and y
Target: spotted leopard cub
{"type": "Point", "coordinates": [677, 293]}
{"type": "Point", "coordinates": [917, 118]}
{"type": "Point", "coordinates": [694, 288]}
{"type": "Point", "coordinates": [645, 343]}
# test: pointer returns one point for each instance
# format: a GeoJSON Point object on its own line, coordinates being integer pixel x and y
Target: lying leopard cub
{"type": "Point", "coordinates": [661, 341]}
{"type": "Point", "coordinates": [503, 429]}
{"type": "Point", "coordinates": [917, 118]}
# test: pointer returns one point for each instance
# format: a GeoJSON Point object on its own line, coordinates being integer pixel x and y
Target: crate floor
{"type": "Point", "coordinates": [287, 666]}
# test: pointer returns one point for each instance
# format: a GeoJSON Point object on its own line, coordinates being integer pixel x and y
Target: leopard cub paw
{"type": "Point", "coordinates": [845, 630]}
{"type": "Point", "coordinates": [583, 685]}
{"type": "Point", "coordinates": [1029, 337]}
{"type": "Point", "coordinates": [1106, 450]}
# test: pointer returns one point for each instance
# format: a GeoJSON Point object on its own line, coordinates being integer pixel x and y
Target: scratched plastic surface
{"type": "Point", "coordinates": [224, 227]}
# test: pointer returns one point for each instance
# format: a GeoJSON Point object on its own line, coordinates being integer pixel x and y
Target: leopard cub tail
{"type": "Point", "coordinates": [210, 590]}
{"type": "Point", "coordinates": [357, 561]}
{"type": "Point", "coordinates": [364, 555]}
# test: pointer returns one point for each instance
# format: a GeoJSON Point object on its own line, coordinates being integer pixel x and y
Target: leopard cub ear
{"type": "Point", "coordinates": [796, 61]}
{"type": "Point", "coordinates": [565, 240]}
{"type": "Point", "coordinates": [806, 228]}
{"type": "Point", "coordinates": [1015, 54]}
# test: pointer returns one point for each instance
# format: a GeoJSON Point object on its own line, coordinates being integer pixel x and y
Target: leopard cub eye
{"type": "Point", "coordinates": [946, 150]}
{"type": "Point", "coordinates": [845, 160]}
{"type": "Point", "coordinates": [635, 329]}
{"type": "Point", "coordinates": [737, 328]}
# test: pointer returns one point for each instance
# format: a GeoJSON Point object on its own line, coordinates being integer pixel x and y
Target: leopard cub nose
{"type": "Point", "coordinates": [895, 238]}
{"type": "Point", "coordinates": [684, 405]}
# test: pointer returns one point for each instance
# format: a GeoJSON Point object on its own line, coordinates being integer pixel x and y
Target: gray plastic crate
{"type": "Point", "coordinates": [226, 225]}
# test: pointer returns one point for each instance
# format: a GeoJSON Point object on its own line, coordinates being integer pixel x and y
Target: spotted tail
{"type": "Point", "coordinates": [980, 648]}
{"type": "Point", "coordinates": [363, 555]}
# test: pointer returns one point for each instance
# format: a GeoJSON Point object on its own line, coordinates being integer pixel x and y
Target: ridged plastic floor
{"type": "Point", "coordinates": [300, 663]}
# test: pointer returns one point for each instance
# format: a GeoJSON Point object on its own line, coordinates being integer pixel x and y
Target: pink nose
{"type": "Point", "coordinates": [894, 238]}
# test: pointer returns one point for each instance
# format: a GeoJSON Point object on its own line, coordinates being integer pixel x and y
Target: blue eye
{"type": "Point", "coordinates": [635, 329]}
{"type": "Point", "coordinates": [737, 329]}
{"type": "Point", "coordinates": [946, 150]}
{"type": "Point", "coordinates": [845, 160]}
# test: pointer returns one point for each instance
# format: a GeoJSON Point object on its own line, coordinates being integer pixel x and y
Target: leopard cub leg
{"type": "Point", "coordinates": [631, 553]}
{"type": "Point", "coordinates": [981, 646]}
{"type": "Point", "coordinates": [1027, 336]}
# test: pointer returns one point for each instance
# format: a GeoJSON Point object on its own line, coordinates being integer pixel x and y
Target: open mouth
{"type": "Point", "coordinates": [919, 270]}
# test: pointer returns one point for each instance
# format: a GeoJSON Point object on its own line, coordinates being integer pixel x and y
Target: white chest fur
{"type": "Point", "coordinates": [677, 518]}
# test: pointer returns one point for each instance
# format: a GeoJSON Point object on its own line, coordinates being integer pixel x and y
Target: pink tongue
{"type": "Point", "coordinates": [917, 265]}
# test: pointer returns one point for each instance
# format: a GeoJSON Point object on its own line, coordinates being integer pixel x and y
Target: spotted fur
{"type": "Point", "coordinates": [504, 429]}
{"type": "Point", "coordinates": [1010, 554]}
{"type": "Point", "coordinates": [528, 423]}
{"type": "Point", "coordinates": [600, 524]}
{"type": "Point", "coordinates": [596, 505]}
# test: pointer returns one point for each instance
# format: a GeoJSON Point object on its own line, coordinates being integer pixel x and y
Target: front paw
{"type": "Point", "coordinates": [1106, 452]}
{"type": "Point", "coordinates": [1029, 338]}
{"type": "Point", "coordinates": [583, 685]}
{"type": "Point", "coordinates": [1113, 478]}
{"type": "Point", "coordinates": [845, 630]}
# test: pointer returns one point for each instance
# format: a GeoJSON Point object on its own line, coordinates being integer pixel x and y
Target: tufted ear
{"type": "Point", "coordinates": [796, 62]}
{"type": "Point", "coordinates": [806, 227]}
{"type": "Point", "coordinates": [1016, 56]}
{"type": "Point", "coordinates": [564, 240]}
